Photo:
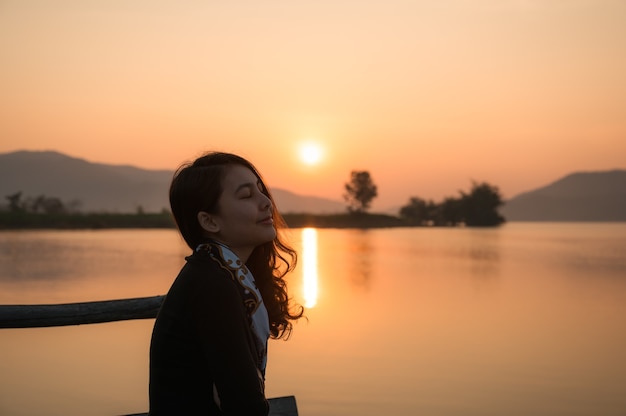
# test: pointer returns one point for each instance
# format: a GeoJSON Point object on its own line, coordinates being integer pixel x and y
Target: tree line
{"type": "Point", "coordinates": [50, 212]}
{"type": "Point", "coordinates": [40, 205]}
{"type": "Point", "coordinates": [479, 207]}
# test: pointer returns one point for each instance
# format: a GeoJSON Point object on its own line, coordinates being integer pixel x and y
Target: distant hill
{"type": "Point", "coordinates": [112, 188]}
{"type": "Point", "coordinates": [582, 196]}
{"type": "Point", "coordinates": [288, 202]}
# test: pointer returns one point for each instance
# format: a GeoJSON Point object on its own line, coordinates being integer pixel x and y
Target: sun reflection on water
{"type": "Point", "coordinates": [309, 265]}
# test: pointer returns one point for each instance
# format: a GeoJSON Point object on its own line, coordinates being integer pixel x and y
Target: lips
{"type": "Point", "coordinates": [266, 220]}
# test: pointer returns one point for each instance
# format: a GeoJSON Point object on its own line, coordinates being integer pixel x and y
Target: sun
{"type": "Point", "coordinates": [310, 153]}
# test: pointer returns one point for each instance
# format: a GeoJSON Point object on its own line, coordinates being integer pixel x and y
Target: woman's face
{"type": "Point", "coordinates": [244, 217]}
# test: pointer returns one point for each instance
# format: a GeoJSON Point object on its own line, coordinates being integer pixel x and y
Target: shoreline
{"type": "Point", "coordinates": [29, 221]}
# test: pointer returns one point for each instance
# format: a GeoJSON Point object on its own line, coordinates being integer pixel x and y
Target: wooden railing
{"type": "Point", "coordinates": [279, 406]}
{"type": "Point", "coordinates": [39, 316]}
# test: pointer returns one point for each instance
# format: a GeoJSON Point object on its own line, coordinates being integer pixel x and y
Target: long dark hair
{"type": "Point", "coordinates": [196, 187]}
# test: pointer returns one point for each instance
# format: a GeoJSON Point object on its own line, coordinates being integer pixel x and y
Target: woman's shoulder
{"type": "Point", "coordinates": [200, 270]}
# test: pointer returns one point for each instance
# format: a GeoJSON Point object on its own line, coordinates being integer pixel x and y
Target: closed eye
{"type": "Point", "coordinates": [247, 190]}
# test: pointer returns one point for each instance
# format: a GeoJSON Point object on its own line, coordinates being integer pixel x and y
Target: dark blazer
{"type": "Point", "coordinates": [201, 339]}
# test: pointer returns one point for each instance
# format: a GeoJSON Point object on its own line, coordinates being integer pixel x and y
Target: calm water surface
{"type": "Point", "coordinates": [526, 319]}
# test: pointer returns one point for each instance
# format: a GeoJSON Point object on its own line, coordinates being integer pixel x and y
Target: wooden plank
{"type": "Point", "coordinates": [279, 406]}
{"type": "Point", "coordinates": [37, 316]}
{"type": "Point", "coordinates": [283, 406]}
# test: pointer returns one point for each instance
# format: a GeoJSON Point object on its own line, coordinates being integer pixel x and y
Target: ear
{"type": "Point", "coordinates": [207, 222]}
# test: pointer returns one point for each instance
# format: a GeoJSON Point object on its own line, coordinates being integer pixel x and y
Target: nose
{"type": "Point", "coordinates": [266, 202]}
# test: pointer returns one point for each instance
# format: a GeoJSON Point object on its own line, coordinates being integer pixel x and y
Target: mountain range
{"type": "Point", "coordinates": [581, 196]}
{"type": "Point", "coordinates": [100, 187]}
{"type": "Point", "coordinates": [96, 187]}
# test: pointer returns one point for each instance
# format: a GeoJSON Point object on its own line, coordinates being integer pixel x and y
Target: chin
{"type": "Point", "coordinates": [271, 236]}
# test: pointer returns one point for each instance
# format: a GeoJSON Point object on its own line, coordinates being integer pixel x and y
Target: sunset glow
{"type": "Point", "coordinates": [428, 96]}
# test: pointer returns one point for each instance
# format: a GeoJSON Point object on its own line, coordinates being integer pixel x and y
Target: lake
{"type": "Point", "coordinates": [525, 319]}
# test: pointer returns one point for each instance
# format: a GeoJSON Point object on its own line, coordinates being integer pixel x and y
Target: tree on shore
{"type": "Point", "coordinates": [360, 191]}
{"type": "Point", "coordinates": [479, 208]}
{"type": "Point", "coordinates": [15, 202]}
{"type": "Point", "coordinates": [47, 205]}
{"type": "Point", "coordinates": [38, 205]}
{"type": "Point", "coordinates": [419, 211]}
{"type": "Point", "coordinates": [450, 212]}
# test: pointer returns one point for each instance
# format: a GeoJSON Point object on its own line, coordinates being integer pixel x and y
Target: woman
{"type": "Point", "coordinates": [209, 343]}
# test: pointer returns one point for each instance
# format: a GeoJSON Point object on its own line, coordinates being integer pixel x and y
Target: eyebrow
{"type": "Point", "coordinates": [248, 185]}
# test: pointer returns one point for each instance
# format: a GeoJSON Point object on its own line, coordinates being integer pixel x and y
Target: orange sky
{"type": "Point", "coordinates": [426, 95]}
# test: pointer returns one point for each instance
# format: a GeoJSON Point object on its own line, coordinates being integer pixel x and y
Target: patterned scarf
{"type": "Point", "coordinates": [252, 300]}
